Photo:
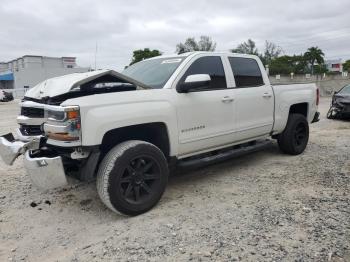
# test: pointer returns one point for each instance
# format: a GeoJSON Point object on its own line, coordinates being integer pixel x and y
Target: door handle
{"type": "Point", "coordinates": [227, 99]}
{"type": "Point", "coordinates": [267, 95]}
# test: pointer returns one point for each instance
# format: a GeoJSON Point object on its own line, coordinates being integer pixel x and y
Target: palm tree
{"type": "Point", "coordinates": [312, 55]}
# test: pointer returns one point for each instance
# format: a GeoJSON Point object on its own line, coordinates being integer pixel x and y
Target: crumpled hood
{"type": "Point", "coordinates": [63, 84]}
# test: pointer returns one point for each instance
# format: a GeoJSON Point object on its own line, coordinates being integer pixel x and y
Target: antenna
{"type": "Point", "coordinates": [95, 55]}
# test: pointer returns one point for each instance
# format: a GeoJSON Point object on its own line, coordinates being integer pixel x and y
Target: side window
{"type": "Point", "coordinates": [246, 72]}
{"type": "Point", "coordinates": [211, 65]}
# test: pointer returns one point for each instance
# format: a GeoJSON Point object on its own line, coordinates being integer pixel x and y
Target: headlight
{"type": "Point", "coordinates": [63, 123]}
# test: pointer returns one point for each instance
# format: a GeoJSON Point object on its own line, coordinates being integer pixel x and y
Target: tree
{"type": "Point", "coordinates": [205, 43]}
{"type": "Point", "coordinates": [139, 55]}
{"type": "Point", "coordinates": [272, 51]}
{"type": "Point", "coordinates": [288, 64]}
{"type": "Point", "coordinates": [312, 55]}
{"type": "Point", "coordinates": [246, 48]}
{"type": "Point", "coordinates": [346, 66]}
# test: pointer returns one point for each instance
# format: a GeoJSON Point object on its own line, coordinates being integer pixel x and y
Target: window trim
{"type": "Point", "coordinates": [190, 62]}
{"type": "Point", "coordinates": [234, 77]}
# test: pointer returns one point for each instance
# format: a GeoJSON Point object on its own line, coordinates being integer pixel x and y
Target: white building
{"type": "Point", "coordinates": [27, 71]}
{"type": "Point", "coordinates": [334, 65]}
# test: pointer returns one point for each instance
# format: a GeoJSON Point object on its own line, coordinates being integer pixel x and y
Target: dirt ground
{"type": "Point", "coordinates": [265, 206]}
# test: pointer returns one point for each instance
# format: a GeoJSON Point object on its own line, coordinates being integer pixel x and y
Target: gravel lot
{"type": "Point", "coordinates": [265, 206]}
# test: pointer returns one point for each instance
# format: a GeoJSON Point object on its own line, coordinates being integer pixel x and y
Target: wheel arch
{"type": "Point", "coordinates": [300, 108]}
{"type": "Point", "coordinates": [155, 133]}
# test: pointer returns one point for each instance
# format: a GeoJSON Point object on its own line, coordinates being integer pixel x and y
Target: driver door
{"type": "Point", "coordinates": [205, 114]}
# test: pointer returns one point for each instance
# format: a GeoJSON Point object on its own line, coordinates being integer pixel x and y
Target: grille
{"type": "Point", "coordinates": [27, 130]}
{"type": "Point", "coordinates": [32, 112]}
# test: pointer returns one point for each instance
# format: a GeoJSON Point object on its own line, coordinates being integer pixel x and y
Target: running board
{"type": "Point", "coordinates": [225, 155]}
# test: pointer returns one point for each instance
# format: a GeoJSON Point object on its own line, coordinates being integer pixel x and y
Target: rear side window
{"type": "Point", "coordinates": [212, 66]}
{"type": "Point", "coordinates": [246, 72]}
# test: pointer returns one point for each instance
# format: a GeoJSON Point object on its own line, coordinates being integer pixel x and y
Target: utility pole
{"type": "Point", "coordinates": [95, 56]}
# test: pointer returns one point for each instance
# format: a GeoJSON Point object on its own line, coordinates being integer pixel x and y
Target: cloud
{"type": "Point", "coordinates": [72, 28]}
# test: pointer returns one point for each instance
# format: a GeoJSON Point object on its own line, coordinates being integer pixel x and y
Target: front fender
{"type": "Point", "coordinates": [97, 121]}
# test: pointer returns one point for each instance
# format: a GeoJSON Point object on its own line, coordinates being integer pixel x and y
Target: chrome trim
{"type": "Point", "coordinates": [63, 143]}
{"type": "Point", "coordinates": [56, 128]}
{"type": "Point", "coordinates": [10, 150]}
{"type": "Point", "coordinates": [30, 121]}
{"type": "Point", "coordinates": [45, 172]}
{"type": "Point", "coordinates": [32, 104]}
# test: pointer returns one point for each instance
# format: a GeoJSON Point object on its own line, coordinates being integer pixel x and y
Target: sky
{"type": "Point", "coordinates": [72, 28]}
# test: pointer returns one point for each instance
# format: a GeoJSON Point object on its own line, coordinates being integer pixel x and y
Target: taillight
{"type": "Point", "coordinates": [317, 96]}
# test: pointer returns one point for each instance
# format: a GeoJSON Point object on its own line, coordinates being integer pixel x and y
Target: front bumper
{"type": "Point", "coordinates": [45, 172]}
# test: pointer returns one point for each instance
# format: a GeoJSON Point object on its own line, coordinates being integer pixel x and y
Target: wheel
{"type": "Point", "coordinates": [132, 177]}
{"type": "Point", "coordinates": [293, 140]}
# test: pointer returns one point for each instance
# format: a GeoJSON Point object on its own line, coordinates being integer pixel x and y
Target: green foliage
{"type": "Point", "coordinates": [346, 66]}
{"type": "Point", "coordinates": [320, 69]}
{"type": "Point", "coordinates": [299, 64]}
{"type": "Point", "coordinates": [312, 55]}
{"type": "Point", "coordinates": [248, 47]}
{"type": "Point", "coordinates": [139, 55]}
{"type": "Point", "coordinates": [205, 43]}
{"type": "Point", "coordinates": [288, 64]}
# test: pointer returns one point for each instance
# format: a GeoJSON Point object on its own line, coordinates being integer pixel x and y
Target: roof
{"type": "Point", "coordinates": [56, 57]}
{"type": "Point", "coordinates": [187, 54]}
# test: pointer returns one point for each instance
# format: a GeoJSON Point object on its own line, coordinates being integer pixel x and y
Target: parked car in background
{"type": "Point", "coordinates": [5, 96]}
{"type": "Point", "coordinates": [340, 105]}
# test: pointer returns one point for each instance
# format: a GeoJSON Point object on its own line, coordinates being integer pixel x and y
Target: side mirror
{"type": "Point", "coordinates": [193, 82]}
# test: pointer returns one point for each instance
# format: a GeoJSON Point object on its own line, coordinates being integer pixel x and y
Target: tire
{"type": "Point", "coordinates": [132, 177]}
{"type": "Point", "coordinates": [293, 140]}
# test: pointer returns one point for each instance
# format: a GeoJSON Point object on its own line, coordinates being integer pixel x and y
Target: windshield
{"type": "Point", "coordinates": [154, 72]}
{"type": "Point", "coordinates": [345, 90]}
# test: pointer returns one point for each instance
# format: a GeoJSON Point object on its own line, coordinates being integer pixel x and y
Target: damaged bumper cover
{"type": "Point", "coordinates": [45, 172]}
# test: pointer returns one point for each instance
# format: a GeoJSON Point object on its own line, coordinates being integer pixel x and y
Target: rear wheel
{"type": "Point", "coordinates": [293, 140]}
{"type": "Point", "coordinates": [132, 177]}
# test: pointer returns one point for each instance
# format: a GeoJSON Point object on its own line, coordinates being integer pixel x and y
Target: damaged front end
{"type": "Point", "coordinates": [340, 108]}
{"type": "Point", "coordinates": [50, 133]}
{"type": "Point", "coordinates": [10, 148]}
{"type": "Point", "coordinates": [45, 172]}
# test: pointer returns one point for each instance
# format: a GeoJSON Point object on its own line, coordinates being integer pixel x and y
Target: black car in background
{"type": "Point", "coordinates": [5, 96]}
{"type": "Point", "coordinates": [340, 105]}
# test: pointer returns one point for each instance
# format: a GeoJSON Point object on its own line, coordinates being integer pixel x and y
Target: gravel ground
{"type": "Point", "coordinates": [265, 206]}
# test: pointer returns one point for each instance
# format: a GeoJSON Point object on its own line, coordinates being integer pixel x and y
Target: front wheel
{"type": "Point", "coordinates": [132, 177]}
{"type": "Point", "coordinates": [293, 140]}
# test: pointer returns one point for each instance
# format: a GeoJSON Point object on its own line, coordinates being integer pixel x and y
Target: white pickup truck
{"type": "Point", "coordinates": [128, 129]}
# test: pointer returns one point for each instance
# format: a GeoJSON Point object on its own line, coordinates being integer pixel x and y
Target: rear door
{"type": "Point", "coordinates": [254, 99]}
{"type": "Point", "coordinates": [205, 115]}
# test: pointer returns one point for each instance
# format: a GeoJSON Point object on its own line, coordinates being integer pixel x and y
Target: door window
{"type": "Point", "coordinates": [211, 65]}
{"type": "Point", "coordinates": [246, 72]}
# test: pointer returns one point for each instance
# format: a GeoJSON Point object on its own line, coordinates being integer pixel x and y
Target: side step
{"type": "Point", "coordinates": [223, 155]}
